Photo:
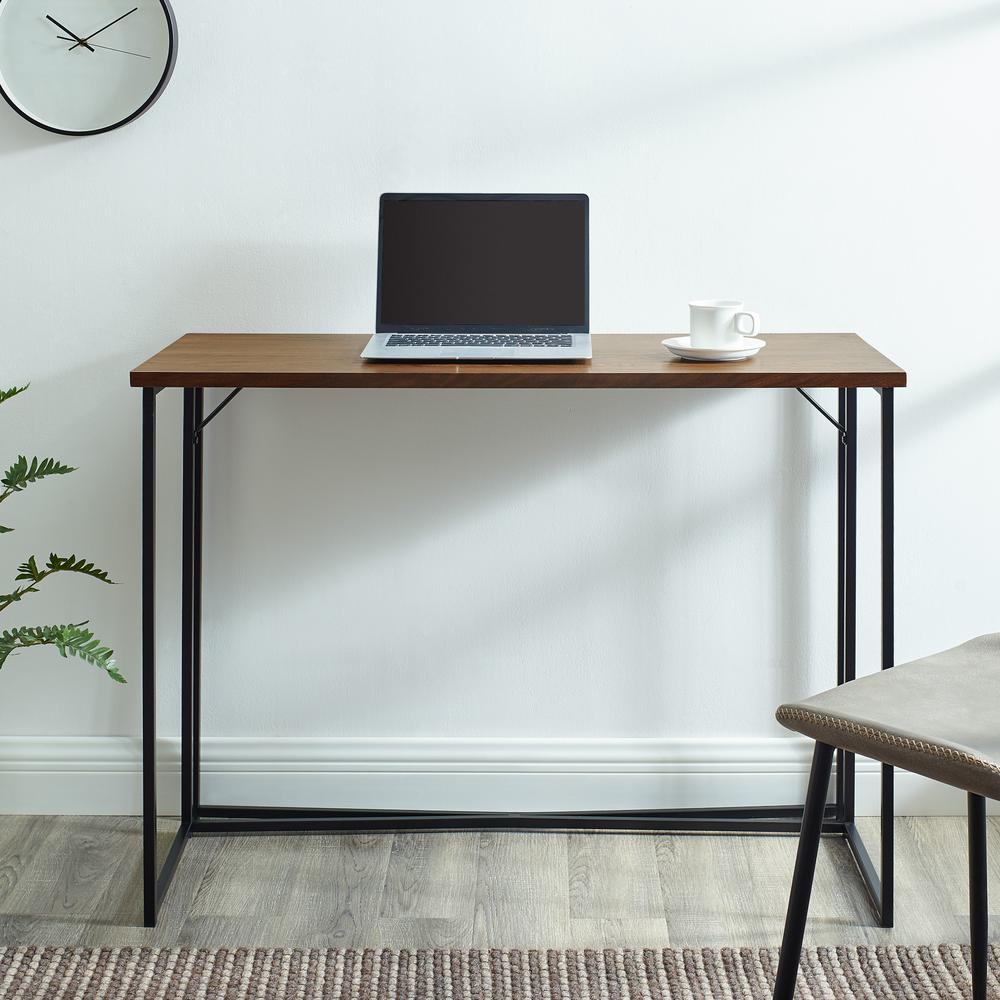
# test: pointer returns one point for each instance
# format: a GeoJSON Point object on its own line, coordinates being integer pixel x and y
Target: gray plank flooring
{"type": "Point", "coordinates": [76, 880]}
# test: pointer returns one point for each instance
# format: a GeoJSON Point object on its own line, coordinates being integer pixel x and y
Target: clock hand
{"type": "Point", "coordinates": [110, 48]}
{"type": "Point", "coordinates": [83, 41]}
{"type": "Point", "coordinates": [79, 40]}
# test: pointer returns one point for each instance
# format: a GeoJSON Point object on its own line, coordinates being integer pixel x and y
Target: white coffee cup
{"type": "Point", "coordinates": [720, 322]}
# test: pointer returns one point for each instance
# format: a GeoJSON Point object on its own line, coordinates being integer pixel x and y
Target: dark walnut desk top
{"type": "Point", "coordinates": [621, 361]}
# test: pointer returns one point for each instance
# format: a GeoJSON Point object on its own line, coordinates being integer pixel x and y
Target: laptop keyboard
{"type": "Point", "coordinates": [480, 340]}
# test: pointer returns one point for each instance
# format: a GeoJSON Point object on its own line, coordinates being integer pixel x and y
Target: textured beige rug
{"type": "Point", "coordinates": [856, 973]}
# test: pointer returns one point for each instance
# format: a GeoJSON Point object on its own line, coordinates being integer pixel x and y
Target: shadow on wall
{"type": "Point", "coordinates": [793, 580]}
{"type": "Point", "coordinates": [278, 286]}
{"type": "Point", "coordinates": [793, 69]}
{"type": "Point", "coordinates": [18, 135]}
{"type": "Point", "coordinates": [374, 475]}
{"type": "Point", "coordinates": [371, 475]}
{"type": "Point", "coordinates": [382, 470]}
{"type": "Point", "coordinates": [762, 71]}
{"type": "Point", "coordinates": [366, 455]}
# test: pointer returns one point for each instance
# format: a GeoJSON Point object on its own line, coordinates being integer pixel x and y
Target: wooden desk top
{"type": "Point", "coordinates": [623, 361]}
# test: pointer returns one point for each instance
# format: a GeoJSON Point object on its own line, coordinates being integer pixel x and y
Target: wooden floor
{"type": "Point", "coordinates": [76, 880]}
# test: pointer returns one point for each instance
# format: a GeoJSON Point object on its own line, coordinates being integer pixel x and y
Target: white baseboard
{"type": "Point", "coordinates": [101, 775]}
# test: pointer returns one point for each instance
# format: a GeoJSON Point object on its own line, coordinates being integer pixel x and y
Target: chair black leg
{"type": "Point", "coordinates": [805, 867]}
{"type": "Point", "coordinates": [978, 904]}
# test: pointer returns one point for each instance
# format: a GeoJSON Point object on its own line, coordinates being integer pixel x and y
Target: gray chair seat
{"type": "Point", "coordinates": [938, 716]}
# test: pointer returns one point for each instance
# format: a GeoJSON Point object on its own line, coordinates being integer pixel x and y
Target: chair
{"type": "Point", "coordinates": [939, 717]}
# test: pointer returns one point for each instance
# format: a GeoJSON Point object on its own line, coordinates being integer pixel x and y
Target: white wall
{"type": "Point", "coordinates": [599, 568]}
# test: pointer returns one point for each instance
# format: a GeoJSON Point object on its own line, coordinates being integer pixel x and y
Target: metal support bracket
{"type": "Point", "coordinates": [829, 416]}
{"type": "Point", "coordinates": [204, 423]}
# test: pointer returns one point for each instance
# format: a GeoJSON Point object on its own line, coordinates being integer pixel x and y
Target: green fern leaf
{"type": "Point", "coordinates": [25, 637]}
{"type": "Point", "coordinates": [69, 640]}
{"type": "Point", "coordinates": [74, 640]}
{"type": "Point", "coordinates": [67, 564]}
{"type": "Point", "coordinates": [29, 571]}
{"type": "Point", "coordinates": [3, 530]}
{"type": "Point", "coordinates": [22, 472]}
{"type": "Point", "coordinates": [16, 595]}
{"type": "Point", "coordinates": [17, 638]}
{"type": "Point", "coordinates": [6, 394]}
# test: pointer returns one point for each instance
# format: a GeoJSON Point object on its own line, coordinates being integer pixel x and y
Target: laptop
{"type": "Point", "coordinates": [482, 277]}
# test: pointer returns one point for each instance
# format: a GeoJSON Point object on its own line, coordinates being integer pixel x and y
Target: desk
{"type": "Point", "coordinates": [199, 361]}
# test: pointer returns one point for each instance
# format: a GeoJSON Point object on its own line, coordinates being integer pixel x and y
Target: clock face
{"type": "Point", "coordinates": [84, 66]}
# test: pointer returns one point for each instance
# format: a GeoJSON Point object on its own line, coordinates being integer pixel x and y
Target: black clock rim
{"type": "Point", "coordinates": [168, 70]}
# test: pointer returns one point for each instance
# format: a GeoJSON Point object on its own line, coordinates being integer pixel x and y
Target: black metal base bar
{"type": "Point", "coordinates": [166, 874]}
{"type": "Point", "coordinates": [730, 813]}
{"type": "Point", "coordinates": [866, 867]}
{"type": "Point", "coordinates": [787, 820]}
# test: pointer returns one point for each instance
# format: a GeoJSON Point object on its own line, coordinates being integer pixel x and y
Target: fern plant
{"type": "Point", "coordinates": [69, 640]}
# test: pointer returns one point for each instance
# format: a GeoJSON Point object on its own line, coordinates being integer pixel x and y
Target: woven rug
{"type": "Point", "coordinates": [855, 973]}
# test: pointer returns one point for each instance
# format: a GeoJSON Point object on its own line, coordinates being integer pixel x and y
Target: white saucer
{"type": "Point", "coordinates": [681, 347]}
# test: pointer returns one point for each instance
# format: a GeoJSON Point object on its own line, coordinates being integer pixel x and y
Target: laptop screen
{"type": "Point", "coordinates": [483, 262]}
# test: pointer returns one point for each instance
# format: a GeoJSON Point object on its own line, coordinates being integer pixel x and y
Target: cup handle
{"type": "Point", "coordinates": [754, 323]}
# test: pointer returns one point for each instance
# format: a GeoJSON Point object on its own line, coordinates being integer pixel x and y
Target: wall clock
{"type": "Point", "coordinates": [81, 67]}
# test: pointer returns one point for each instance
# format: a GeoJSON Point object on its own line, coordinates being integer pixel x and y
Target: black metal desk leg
{"type": "Point", "coordinates": [187, 630]}
{"type": "Point", "coordinates": [149, 656]}
{"type": "Point", "coordinates": [888, 651]}
{"type": "Point", "coordinates": [194, 406]}
{"type": "Point", "coordinates": [850, 620]}
{"type": "Point", "coordinates": [198, 493]}
{"type": "Point", "coordinates": [847, 506]}
{"type": "Point", "coordinates": [841, 785]}
{"type": "Point", "coordinates": [878, 883]}
{"type": "Point", "coordinates": [888, 644]}
{"type": "Point", "coordinates": [155, 882]}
